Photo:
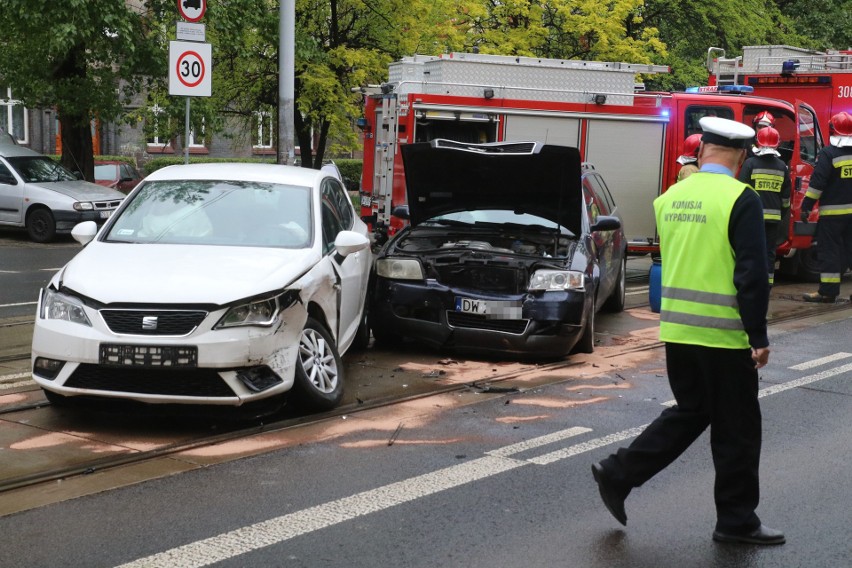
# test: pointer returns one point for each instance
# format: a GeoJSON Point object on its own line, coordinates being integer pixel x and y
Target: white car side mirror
{"type": "Point", "coordinates": [84, 232]}
{"type": "Point", "coordinates": [348, 242]}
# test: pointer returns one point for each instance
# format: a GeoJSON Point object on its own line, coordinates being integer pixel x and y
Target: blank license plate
{"type": "Point", "coordinates": [148, 355]}
{"type": "Point", "coordinates": [494, 309]}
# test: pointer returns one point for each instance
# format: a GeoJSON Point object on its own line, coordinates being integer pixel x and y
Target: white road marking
{"type": "Point", "coordinates": [775, 389]}
{"type": "Point", "coordinates": [7, 386]}
{"type": "Point", "coordinates": [821, 361]}
{"type": "Point", "coordinates": [507, 451]}
{"type": "Point", "coordinates": [14, 376]}
{"type": "Point", "coordinates": [636, 291]}
{"type": "Point", "coordinates": [18, 304]}
{"type": "Point", "coordinates": [274, 531]}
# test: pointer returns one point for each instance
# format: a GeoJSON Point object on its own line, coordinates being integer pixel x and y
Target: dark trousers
{"type": "Point", "coordinates": [834, 239]}
{"type": "Point", "coordinates": [771, 229]}
{"type": "Point", "coordinates": [717, 388]}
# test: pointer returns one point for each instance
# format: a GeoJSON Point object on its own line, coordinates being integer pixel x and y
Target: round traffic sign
{"type": "Point", "coordinates": [192, 10]}
{"type": "Point", "coordinates": [190, 68]}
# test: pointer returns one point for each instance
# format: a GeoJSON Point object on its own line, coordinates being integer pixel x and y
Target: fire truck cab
{"type": "Point", "coordinates": [632, 137]}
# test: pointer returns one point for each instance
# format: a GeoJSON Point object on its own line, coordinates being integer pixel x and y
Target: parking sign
{"type": "Point", "coordinates": [190, 67]}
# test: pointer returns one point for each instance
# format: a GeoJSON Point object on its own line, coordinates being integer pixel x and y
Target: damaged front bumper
{"type": "Point", "coordinates": [546, 325]}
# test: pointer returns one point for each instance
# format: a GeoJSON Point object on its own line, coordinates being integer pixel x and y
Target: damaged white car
{"type": "Point", "coordinates": [214, 284]}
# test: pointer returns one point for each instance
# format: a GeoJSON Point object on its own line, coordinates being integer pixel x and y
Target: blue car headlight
{"type": "Point", "coordinates": [57, 306]}
{"type": "Point", "coordinates": [400, 268]}
{"type": "Point", "coordinates": [543, 280]}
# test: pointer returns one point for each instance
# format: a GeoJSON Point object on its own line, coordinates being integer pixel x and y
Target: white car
{"type": "Point", "coordinates": [215, 284]}
{"type": "Point", "coordinates": [38, 194]}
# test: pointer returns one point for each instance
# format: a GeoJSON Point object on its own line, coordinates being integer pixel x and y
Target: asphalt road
{"type": "Point", "coordinates": [501, 482]}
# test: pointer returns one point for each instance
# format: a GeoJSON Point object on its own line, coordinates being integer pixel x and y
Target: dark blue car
{"type": "Point", "coordinates": [511, 249]}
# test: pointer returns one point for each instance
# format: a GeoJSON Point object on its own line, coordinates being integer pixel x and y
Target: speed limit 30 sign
{"type": "Point", "coordinates": [190, 67]}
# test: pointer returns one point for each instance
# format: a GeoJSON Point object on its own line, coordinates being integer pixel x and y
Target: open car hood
{"type": "Point", "coordinates": [525, 177]}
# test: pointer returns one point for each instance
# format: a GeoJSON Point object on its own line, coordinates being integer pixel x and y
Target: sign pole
{"type": "Point", "coordinates": [186, 136]}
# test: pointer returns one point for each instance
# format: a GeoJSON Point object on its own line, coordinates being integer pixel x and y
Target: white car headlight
{"type": "Point", "coordinates": [58, 306]}
{"type": "Point", "coordinates": [400, 268]}
{"type": "Point", "coordinates": [261, 313]}
{"type": "Point", "coordinates": [556, 280]}
{"type": "Point", "coordinates": [83, 206]}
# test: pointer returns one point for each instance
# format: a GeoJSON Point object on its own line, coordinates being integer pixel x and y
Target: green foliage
{"type": "Point", "coordinates": [351, 172]}
{"type": "Point", "coordinates": [157, 163]}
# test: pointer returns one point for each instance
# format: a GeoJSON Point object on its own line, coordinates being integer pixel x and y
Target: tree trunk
{"type": "Point", "coordinates": [77, 151]}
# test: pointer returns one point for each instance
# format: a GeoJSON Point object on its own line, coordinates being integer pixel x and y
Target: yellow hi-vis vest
{"type": "Point", "coordinates": [699, 300]}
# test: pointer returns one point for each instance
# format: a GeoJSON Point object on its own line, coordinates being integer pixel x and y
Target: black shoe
{"type": "Point", "coordinates": [612, 498]}
{"type": "Point", "coordinates": [760, 535]}
{"type": "Point", "coordinates": [818, 298]}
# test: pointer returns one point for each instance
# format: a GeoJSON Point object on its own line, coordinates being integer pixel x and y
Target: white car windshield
{"type": "Point", "coordinates": [225, 213]}
{"type": "Point", "coordinates": [40, 169]}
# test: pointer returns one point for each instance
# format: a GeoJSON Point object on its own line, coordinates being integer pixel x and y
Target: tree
{"type": "Point", "coordinates": [86, 58]}
{"type": "Point", "coordinates": [690, 27]}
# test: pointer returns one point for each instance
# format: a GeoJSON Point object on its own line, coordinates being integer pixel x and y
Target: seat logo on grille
{"type": "Point", "coordinates": [149, 322]}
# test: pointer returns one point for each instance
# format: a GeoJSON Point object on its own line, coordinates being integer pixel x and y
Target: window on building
{"type": "Point", "coordinates": [13, 117]}
{"type": "Point", "coordinates": [197, 133]}
{"type": "Point", "coordinates": [158, 131]}
{"type": "Point", "coordinates": [263, 130]}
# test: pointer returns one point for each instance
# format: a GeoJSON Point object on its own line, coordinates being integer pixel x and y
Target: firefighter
{"type": "Point", "coordinates": [831, 186]}
{"type": "Point", "coordinates": [715, 297]}
{"type": "Point", "coordinates": [760, 121]}
{"type": "Point", "coordinates": [770, 177]}
{"type": "Point", "coordinates": [689, 159]}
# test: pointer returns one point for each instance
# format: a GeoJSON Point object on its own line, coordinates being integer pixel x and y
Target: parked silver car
{"type": "Point", "coordinates": [40, 195]}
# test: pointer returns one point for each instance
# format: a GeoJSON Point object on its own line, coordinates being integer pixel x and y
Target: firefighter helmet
{"type": "Point", "coordinates": [840, 126]}
{"type": "Point", "coordinates": [762, 119]}
{"type": "Point", "coordinates": [768, 138]}
{"type": "Point", "coordinates": [768, 141]}
{"type": "Point", "coordinates": [690, 149]}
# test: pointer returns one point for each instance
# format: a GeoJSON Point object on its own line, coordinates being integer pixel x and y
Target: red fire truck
{"type": "Point", "coordinates": [821, 79]}
{"type": "Point", "coordinates": [631, 136]}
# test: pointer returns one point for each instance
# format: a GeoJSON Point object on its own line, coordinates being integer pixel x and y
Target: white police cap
{"type": "Point", "coordinates": [724, 132]}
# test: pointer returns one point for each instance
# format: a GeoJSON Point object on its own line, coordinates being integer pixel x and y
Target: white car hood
{"type": "Point", "coordinates": [81, 190]}
{"type": "Point", "coordinates": [180, 274]}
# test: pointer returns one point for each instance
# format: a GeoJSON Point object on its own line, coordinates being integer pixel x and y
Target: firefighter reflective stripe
{"type": "Point", "coordinates": [785, 203]}
{"type": "Point", "coordinates": [829, 277]}
{"type": "Point", "coordinates": [844, 164]}
{"type": "Point", "coordinates": [767, 180]}
{"type": "Point", "coordinates": [813, 193]}
{"type": "Point", "coordinates": [772, 214]}
{"type": "Point", "coordinates": [698, 297]}
{"type": "Point", "coordinates": [842, 209]}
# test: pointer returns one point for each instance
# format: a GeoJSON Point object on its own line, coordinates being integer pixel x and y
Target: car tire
{"type": "Point", "coordinates": [808, 264]}
{"type": "Point", "coordinates": [616, 300]}
{"type": "Point", "coordinates": [362, 336]}
{"type": "Point", "coordinates": [586, 343]}
{"type": "Point", "coordinates": [319, 370]}
{"type": "Point", "coordinates": [386, 339]}
{"type": "Point", "coordinates": [41, 225]}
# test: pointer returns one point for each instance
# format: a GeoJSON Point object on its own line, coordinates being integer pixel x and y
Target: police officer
{"type": "Point", "coordinates": [689, 159]}
{"type": "Point", "coordinates": [715, 296]}
{"type": "Point", "coordinates": [831, 185]}
{"type": "Point", "coordinates": [770, 177]}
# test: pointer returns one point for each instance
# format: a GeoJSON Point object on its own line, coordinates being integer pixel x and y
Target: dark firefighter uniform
{"type": "Point", "coordinates": [831, 185]}
{"type": "Point", "coordinates": [715, 297]}
{"type": "Point", "coordinates": [770, 177]}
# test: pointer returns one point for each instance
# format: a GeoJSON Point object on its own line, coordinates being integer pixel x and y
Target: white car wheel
{"type": "Point", "coordinates": [319, 371]}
